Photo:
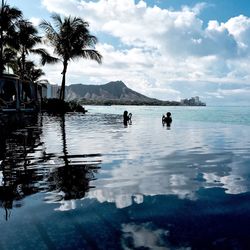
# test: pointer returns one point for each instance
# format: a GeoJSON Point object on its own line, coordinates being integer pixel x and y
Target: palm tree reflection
{"type": "Point", "coordinates": [71, 181]}
{"type": "Point", "coordinates": [25, 167]}
{"type": "Point", "coordinates": [19, 138]}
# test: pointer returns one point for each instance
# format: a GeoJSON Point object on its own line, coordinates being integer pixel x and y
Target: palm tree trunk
{"type": "Point", "coordinates": [1, 55]}
{"type": "Point", "coordinates": [62, 91]}
{"type": "Point", "coordinates": [23, 65]}
{"type": "Point", "coordinates": [65, 152]}
{"type": "Point", "coordinates": [1, 44]}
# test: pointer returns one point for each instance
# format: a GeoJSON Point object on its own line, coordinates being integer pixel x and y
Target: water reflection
{"type": "Point", "coordinates": [17, 179]}
{"type": "Point", "coordinates": [184, 189]}
{"type": "Point", "coordinates": [26, 168]}
{"type": "Point", "coordinates": [144, 236]}
{"type": "Point", "coordinates": [180, 173]}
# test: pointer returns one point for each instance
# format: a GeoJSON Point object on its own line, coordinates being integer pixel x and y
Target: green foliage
{"type": "Point", "coordinates": [8, 23]}
{"type": "Point", "coordinates": [57, 106]}
{"type": "Point", "coordinates": [18, 38]}
{"type": "Point", "coordinates": [70, 39]}
{"type": "Point", "coordinates": [129, 102]}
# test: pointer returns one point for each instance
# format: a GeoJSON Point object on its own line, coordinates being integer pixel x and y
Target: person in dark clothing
{"type": "Point", "coordinates": [127, 118]}
{"type": "Point", "coordinates": [167, 119]}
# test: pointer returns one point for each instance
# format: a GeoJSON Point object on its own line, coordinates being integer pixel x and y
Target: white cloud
{"type": "Point", "coordinates": [231, 92]}
{"type": "Point", "coordinates": [36, 21]}
{"type": "Point", "coordinates": [159, 46]}
{"type": "Point", "coordinates": [239, 28]}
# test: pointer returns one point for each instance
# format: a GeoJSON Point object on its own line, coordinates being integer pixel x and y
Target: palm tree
{"type": "Point", "coordinates": [9, 59]}
{"type": "Point", "coordinates": [32, 72]}
{"type": "Point", "coordinates": [70, 39]}
{"type": "Point", "coordinates": [27, 38]}
{"type": "Point", "coordinates": [8, 19]}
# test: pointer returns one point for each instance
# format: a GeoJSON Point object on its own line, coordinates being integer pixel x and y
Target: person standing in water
{"type": "Point", "coordinates": [127, 118]}
{"type": "Point", "coordinates": [167, 119]}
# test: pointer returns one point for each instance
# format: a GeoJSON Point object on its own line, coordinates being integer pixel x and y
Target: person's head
{"type": "Point", "coordinates": [168, 114]}
{"type": "Point", "coordinates": [125, 113]}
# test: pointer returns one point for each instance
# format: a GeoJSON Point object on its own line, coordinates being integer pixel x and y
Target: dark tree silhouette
{"type": "Point", "coordinates": [70, 39]}
{"type": "Point", "coordinates": [8, 21]}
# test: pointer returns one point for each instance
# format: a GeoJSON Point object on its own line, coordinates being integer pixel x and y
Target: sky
{"type": "Point", "coordinates": [165, 49]}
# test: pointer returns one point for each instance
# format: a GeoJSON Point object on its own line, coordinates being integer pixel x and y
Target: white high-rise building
{"type": "Point", "coordinates": [197, 99]}
{"type": "Point", "coordinates": [55, 89]}
{"type": "Point", "coordinates": [49, 90]}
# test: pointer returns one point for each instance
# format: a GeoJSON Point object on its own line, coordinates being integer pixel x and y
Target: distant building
{"type": "Point", "coordinates": [55, 89]}
{"type": "Point", "coordinates": [196, 99]}
{"type": "Point", "coordinates": [193, 101]}
{"type": "Point", "coordinates": [49, 90]}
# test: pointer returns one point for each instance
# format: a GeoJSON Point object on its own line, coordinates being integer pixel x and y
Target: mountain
{"type": "Point", "coordinates": [115, 92]}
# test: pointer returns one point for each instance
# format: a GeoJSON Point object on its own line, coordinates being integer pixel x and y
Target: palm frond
{"type": "Point", "coordinates": [91, 54]}
{"type": "Point", "coordinates": [57, 20]}
{"type": "Point", "coordinates": [89, 40]}
{"type": "Point", "coordinates": [70, 39]}
{"type": "Point", "coordinates": [45, 56]}
{"type": "Point", "coordinates": [50, 32]}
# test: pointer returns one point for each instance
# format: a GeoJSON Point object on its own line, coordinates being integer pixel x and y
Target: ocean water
{"type": "Point", "coordinates": [89, 182]}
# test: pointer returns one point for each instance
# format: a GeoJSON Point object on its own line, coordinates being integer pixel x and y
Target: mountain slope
{"type": "Point", "coordinates": [116, 91]}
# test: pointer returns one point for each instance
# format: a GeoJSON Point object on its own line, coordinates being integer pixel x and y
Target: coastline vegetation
{"type": "Point", "coordinates": [129, 102]}
{"type": "Point", "coordinates": [57, 106]}
{"type": "Point", "coordinates": [68, 36]}
{"type": "Point", "coordinates": [137, 103]}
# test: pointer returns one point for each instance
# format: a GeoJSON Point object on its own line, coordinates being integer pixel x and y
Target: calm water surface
{"type": "Point", "coordinates": [88, 182]}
